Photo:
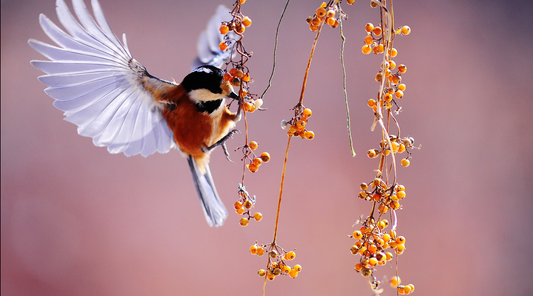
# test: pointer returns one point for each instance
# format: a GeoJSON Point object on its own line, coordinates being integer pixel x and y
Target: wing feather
{"type": "Point", "coordinates": [96, 82]}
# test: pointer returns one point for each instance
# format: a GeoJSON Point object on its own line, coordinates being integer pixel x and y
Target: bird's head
{"type": "Point", "coordinates": [205, 84]}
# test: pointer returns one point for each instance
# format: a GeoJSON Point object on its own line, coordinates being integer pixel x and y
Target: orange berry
{"type": "Point", "coordinates": [407, 289]}
{"type": "Point", "coordinates": [398, 94]}
{"type": "Point", "coordinates": [252, 167]}
{"type": "Point", "coordinates": [309, 135]}
{"type": "Point", "coordinates": [358, 266]}
{"type": "Point", "coordinates": [244, 222]}
{"type": "Point", "coordinates": [265, 157]}
{"type": "Point", "coordinates": [402, 68]}
{"type": "Point", "coordinates": [240, 29]}
{"type": "Point", "coordinates": [257, 161]}
{"type": "Point", "coordinates": [271, 277]}
{"type": "Point", "coordinates": [392, 65]}
{"type": "Point", "coordinates": [380, 48]}
{"type": "Point", "coordinates": [402, 87]}
{"type": "Point", "coordinates": [371, 153]}
{"type": "Point", "coordinates": [368, 40]}
{"type": "Point", "coordinates": [258, 216]}
{"type": "Point", "coordinates": [253, 249]}
{"type": "Point", "coordinates": [237, 205]}
{"type": "Point", "coordinates": [377, 31]}
{"type": "Point", "coordinates": [246, 78]}
{"type": "Point", "coordinates": [242, 1]}
{"type": "Point", "coordinates": [247, 106]}
{"type": "Point", "coordinates": [350, 2]}
{"type": "Point", "coordinates": [253, 145]}
{"type": "Point", "coordinates": [246, 21]}
{"type": "Point", "coordinates": [366, 49]}
{"type": "Point", "coordinates": [388, 98]}
{"type": "Point", "coordinates": [315, 21]}
{"type": "Point", "coordinates": [321, 12]}
{"type": "Point", "coordinates": [331, 21]}
{"type": "Point", "coordinates": [223, 46]}
{"type": "Point", "coordinates": [379, 77]}
{"type": "Point", "coordinates": [261, 272]}
{"type": "Point", "coordinates": [260, 251]}
{"type": "Point", "coordinates": [248, 204]}
{"type": "Point", "coordinates": [357, 234]}
{"type": "Point", "coordinates": [297, 267]}
{"type": "Point", "coordinates": [405, 162]}
{"type": "Point", "coordinates": [330, 13]}
{"type": "Point", "coordinates": [224, 29]}
{"type": "Point", "coordinates": [395, 281]}
{"type": "Point", "coordinates": [307, 112]}
{"type": "Point", "coordinates": [227, 77]}
{"type": "Point", "coordinates": [369, 27]}
{"type": "Point", "coordinates": [393, 53]}
{"type": "Point", "coordinates": [300, 125]}
{"type": "Point", "coordinates": [406, 30]}
{"type": "Point", "coordinates": [313, 28]}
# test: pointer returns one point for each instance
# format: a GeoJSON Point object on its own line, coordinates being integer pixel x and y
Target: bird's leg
{"type": "Point", "coordinates": [221, 142]}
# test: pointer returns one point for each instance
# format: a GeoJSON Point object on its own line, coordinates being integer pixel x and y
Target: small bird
{"type": "Point", "coordinates": [113, 99]}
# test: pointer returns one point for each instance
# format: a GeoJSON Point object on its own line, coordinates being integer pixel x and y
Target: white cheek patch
{"type": "Point", "coordinates": [202, 95]}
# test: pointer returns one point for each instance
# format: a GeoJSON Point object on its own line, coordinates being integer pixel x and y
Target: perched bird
{"type": "Point", "coordinates": [113, 99]}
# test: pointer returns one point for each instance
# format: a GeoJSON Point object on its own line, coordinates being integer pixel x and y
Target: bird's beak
{"type": "Point", "coordinates": [233, 95]}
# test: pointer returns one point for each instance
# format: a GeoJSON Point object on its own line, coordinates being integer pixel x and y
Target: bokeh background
{"type": "Point", "coordinates": [76, 220]}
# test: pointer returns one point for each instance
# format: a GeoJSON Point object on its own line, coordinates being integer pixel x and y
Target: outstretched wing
{"type": "Point", "coordinates": [209, 52]}
{"type": "Point", "coordinates": [100, 87]}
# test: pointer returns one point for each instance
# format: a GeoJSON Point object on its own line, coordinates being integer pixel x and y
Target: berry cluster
{"type": "Point", "coordinates": [297, 125]}
{"type": "Point", "coordinates": [375, 41]}
{"type": "Point", "coordinates": [396, 145]}
{"type": "Point", "coordinates": [243, 206]}
{"type": "Point", "coordinates": [276, 262]}
{"type": "Point", "coordinates": [330, 13]}
{"type": "Point", "coordinates": [254, 161]}
{"type": "Point", "coordinates": [395, 282]}
{"type": "Point", "coordinates": [376, 246]}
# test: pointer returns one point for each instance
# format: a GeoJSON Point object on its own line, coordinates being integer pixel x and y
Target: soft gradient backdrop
{"type": "Point", "coordinates": [76, 220]}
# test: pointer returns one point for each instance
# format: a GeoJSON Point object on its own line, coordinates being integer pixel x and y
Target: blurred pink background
{"type": "Point", "coordinates": [76, 220]}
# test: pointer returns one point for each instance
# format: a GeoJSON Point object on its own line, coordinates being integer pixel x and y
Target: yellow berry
{"type": "Point", "coordinates": [363, 186]}
{"type": "Point", "coordinates": [273, 254]}
{"type": "Point", "coordinates": [271, 277]}
{"type": "Point", "coordinates": [240, 29]}
{"type": "Point", "coordinates": [406, 30]}
{"type": "Point", "coordinates": [405, 162]}
{"type": "Point", "coordinates": [307, 112]}
{"type": "Point", "coordinates": [412, 287]}
{"type": "Point", "coordinates": [395, 281]}
{"type": "Point", "coordinates": [380, 48]}
{"type": "Point", "coordinates": [388, 98]}
{"type": "Point", "coordinates": [309, 135]}
{"type": "Point", "coordinates": [293, 273]}
{"type": "Point", "coordinates": [246, 21]}
{"type": "Point", "coordinates": [366, 49]}
{"type": "Point", "coordinates": [258, 216]}
{"type": "Point", "coordinates": [265, 157]}
{"type": "Point", "coordinates": [244, 222]}
{"type": "Point", "coordinates": [400, 188]}
{"type": "Point", "coordinates": [401, 194]}
{"type": "Point", "coordinates": [388, 256]}
{"type": "Point", "coordinates": [398, 94]}
{"type": "Point", "coordinates": [290, 255]}
{"type": "Point", "coordinates": [286, 269]}
{"type": "Point", "coordinates": [261, 272]}
{"type": "Point", "coordinates": [253, 249]}
{"type": "Point", "coordinates": [253, 145]}
{"type": "Point", "coordinates": [407, 289]}
{"type": "Point", "coordinates": [402, 87]}
{"type": "Point", "coordinates": [297, 267]}
{"type": "Point", "coordinates": [371, 153]}
{"type": "Point", "coordinates": [400, 240]}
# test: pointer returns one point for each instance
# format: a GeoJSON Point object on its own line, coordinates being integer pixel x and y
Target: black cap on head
{"type": "Point", "coordinates": [204, 77]}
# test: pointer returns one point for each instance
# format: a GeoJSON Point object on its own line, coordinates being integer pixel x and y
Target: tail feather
{"type": "Point", "coordinates": [214, 210]}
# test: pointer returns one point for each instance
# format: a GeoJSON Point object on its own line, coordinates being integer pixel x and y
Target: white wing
{"type": "Point", "coordinates": [98, 84]}
{"type": "Point", "coordinates": [209, 52]}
